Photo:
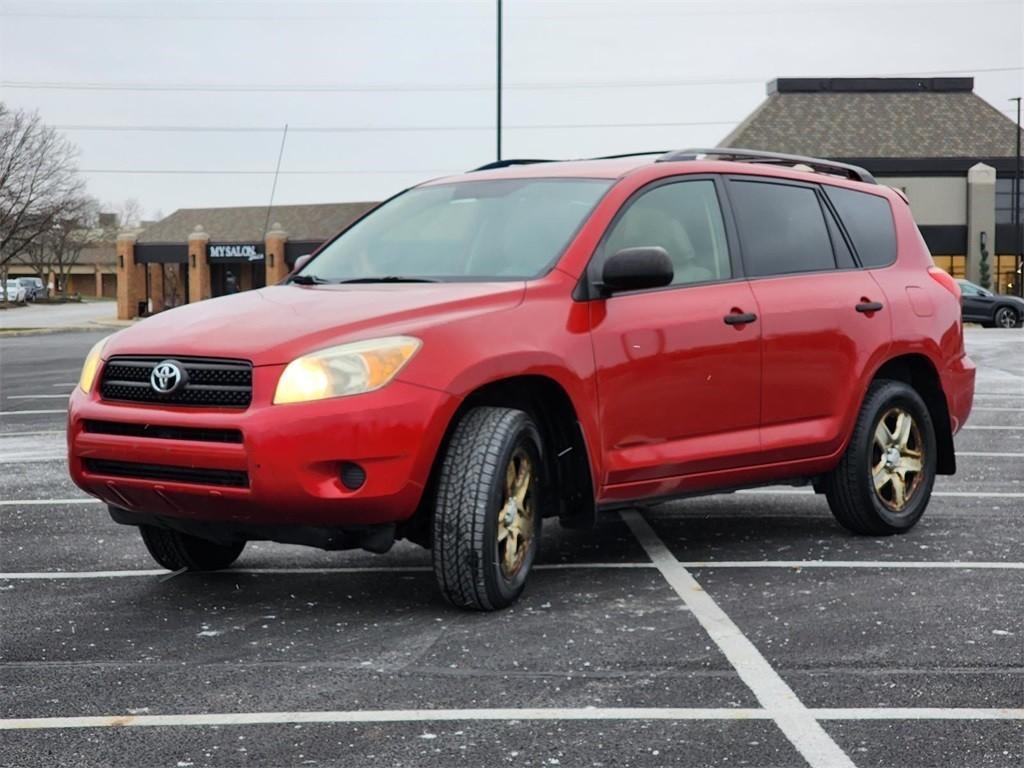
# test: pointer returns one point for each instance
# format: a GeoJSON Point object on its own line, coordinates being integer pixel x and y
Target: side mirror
{"type": "Point", "coordinates": [634, 268]}
{"type": "Point", "coordinates": [300, 262]}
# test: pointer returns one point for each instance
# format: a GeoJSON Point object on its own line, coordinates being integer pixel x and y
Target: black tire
{"type": "Point", "coordinates": [469, 561]}
{"type": "Point", "coordinates": [850, 487]}
{"type": "Point", "coordinates": [174, 550]}
{"type": "Point", "coordinates": [1006, 317]}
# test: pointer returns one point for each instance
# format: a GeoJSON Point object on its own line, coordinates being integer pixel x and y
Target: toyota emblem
{"type": "Point", "coordinates": [167, 377]}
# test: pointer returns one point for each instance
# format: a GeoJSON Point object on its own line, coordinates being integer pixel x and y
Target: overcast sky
{"type": "Point", "coordinates": [583, 78]}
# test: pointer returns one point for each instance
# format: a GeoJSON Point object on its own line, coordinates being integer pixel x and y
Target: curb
{"type": "Point", "coordinates": [92, 325]}
{"type": "Point", "coordinates": [14, 332]}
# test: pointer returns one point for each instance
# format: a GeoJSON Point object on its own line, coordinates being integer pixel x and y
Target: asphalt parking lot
{"type": "Point", "coordinates": [744, 629]}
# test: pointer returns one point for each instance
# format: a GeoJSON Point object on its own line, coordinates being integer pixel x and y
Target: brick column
{"type": "Point", "coordinates": [131, 278]}
{"type": "Point", "coordinates": [198, 266]}
{"type": "Point", "coordinates": [98, 277]}
{"type": "Point", "coordinates": [273, 247]}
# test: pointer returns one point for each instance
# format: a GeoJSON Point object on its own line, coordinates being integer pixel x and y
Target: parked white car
{"type": "Point", "coordinates": [15, 292]}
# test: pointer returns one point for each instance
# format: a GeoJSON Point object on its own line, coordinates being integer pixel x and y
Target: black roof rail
{"type": "Point", "coordinates": [506, 163]}
{"type": "Point", "coordinates": [630, 154]}
{"type": "Point", "coordinates": [854, 172]}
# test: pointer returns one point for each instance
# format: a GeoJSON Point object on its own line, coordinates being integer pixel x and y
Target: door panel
{"type": "Point", "coordinates": [976, 308]}
{"type": "Point", "coordinates": [678, 388]}
{"type": "Point", "coordinates": [817, 349]}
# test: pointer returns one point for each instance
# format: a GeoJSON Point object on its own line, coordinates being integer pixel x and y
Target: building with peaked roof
{"type": "Point", "coordinates": [91, 275]}
{"type": "Point", "coordinates": [196, 253]}
{"type": "Point", "coordinates": [952, 153]}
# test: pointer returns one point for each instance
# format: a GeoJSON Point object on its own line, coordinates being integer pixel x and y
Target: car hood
{"type": "Point", "coordinates": [276, 324]}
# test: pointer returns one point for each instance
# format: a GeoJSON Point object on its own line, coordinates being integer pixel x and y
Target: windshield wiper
{"type": "Point", "coordinates": [308, 280]}
{"type": "Point", "coordinates": [390, 279]}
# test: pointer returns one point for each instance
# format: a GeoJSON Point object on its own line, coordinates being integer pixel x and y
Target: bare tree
{"type": "Point", "coordinates": [129, 212]}
{"type": "Point", "coordinates": [59, 248]}
{"type": "Point", "coordinates": [39, 182]}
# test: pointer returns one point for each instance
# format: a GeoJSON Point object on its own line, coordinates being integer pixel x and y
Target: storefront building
{"type": "Point", "coordinates": [948, 150]}
{"type": "Point", "coordinates": [198, 253]}
{"type": "Point", "coordinates": [92, 275]}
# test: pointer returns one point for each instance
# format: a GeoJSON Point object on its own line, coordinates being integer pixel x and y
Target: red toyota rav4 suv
{"type": "Point", "coordinates": [536, 340]}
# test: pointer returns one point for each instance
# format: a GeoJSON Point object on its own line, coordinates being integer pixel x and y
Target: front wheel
{"type": "Point", "coordinates": [174, 550]}
{"type": "Point", "coordinates": [488, 510]}
{"type": "Point", "coordinates": [1006, 317]}
{"type": "Point", "coordinates": [884, 480]}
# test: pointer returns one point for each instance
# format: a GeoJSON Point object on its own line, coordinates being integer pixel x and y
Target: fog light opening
{"type": "Point", "coordinates": [352, 475]}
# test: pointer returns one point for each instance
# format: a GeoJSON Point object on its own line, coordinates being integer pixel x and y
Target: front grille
{"type": "Point", "coordinates": [161, 432]}
{"type": "Point", "coordinates": [224, 383]}
{"type": "Point", "coordinates": [221, 477]}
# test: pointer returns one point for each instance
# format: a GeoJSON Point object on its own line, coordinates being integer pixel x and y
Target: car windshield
{"type": "Point", "coordinates": [470, 230]}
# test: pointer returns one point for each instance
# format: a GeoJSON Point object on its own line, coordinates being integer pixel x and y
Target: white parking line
{"type": "Point", "coordinates": [509, 715]}
{"type": "Point", "coordinates": [966, 565]}
{"type": "Point", "coordinates": [1001, 427]}
{"type": "Point", "coordinates": [34, 434]}
{"type": "Point", "coordinates": [65, 384]}
{"type": "Point", "coordinates": [36, 397]}
{"type": "Point", "coordinates": [33, 458]}
{"type": "Point", "coordinates": [922, 713]}
{"type": "Point", "coordinates": [989, 408]}
{"type": "Point", "coordinates": [44, 502]}
{"type": "Point", "coordinates": [991, 455]}
{"type": "Point", "coordinates": [950, 494]}
{"type": "Point", "coordinates": [31, 413]}
{"type": "Point", "coordinates": [788, 712]}
{"type": "Point", "coordinates": [962, 565]}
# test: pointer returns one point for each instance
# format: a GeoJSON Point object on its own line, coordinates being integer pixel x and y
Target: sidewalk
{"type": "Point", "coordinates": [53, 318]}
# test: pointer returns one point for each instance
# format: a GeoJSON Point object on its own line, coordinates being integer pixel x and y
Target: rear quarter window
{"type": "Point", "coordinates": [868, 221]}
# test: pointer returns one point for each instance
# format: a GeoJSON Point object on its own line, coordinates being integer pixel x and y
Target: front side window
{"type": "Point", "coordinates": [470, 230]}
{"type": "Point", "coordinates": [781, 227]}
{"type": "Point", "coordinates": [684, 218]}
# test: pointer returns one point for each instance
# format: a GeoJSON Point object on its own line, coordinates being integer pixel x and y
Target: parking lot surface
{"type": "Point", "coordinates": [742, 629]}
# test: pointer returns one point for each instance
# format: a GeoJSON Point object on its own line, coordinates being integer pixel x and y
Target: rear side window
{"type": "Point", "coordinates": [782, 229]}
{"type": "Point", "coordinates": [868, 220]}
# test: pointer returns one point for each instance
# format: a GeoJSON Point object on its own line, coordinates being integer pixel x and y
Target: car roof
{"type": "Point", "coordinates": [653, 165]}
{"type": "Point", "coordinates": [559, 169]}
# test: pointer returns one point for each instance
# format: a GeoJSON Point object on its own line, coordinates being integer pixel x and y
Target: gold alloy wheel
{"type": "Point", "coordinates": [897, 459]}
{"type": "Point", "coordinates": [516, 514]}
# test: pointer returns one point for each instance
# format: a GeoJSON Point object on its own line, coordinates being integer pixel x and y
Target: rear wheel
{"type": "Point", "coordinates": [174, 550]}
{"type": "Point", "coordinates": [489, 506]}
{"type": "Point", "coordinates": [1007, 317]}
{"type": "Point", "coordinates": [884, 480]}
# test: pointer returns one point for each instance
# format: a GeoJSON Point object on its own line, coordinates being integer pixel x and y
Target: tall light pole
{"type": "Point", "coordinates": [499, 123]}
{"type": "Point", "coordinates": [1018, 239]}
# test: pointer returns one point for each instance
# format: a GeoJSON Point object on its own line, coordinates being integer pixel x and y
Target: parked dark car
{"type": "Point", "coordinates": [34, 288]}
{"type": "Point", "coordinates": [992, 310]}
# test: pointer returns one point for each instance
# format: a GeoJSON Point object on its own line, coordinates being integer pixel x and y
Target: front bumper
{"type": "Point", "coordinates": [291, 455]}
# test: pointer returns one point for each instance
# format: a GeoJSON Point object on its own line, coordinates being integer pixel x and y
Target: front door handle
{"type": "Point", "coordinates": [869, 306]}
{"type": "Point", "coordinates": [739, 318]}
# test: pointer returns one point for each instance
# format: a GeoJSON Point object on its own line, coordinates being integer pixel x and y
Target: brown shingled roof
{"type": "Point", "coordinates": [887, 122]}
{"type": "Point", "coordinates": [245, 224]}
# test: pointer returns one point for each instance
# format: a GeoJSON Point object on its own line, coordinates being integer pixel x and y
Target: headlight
{"type": "Point", "coordinates": [349, 369]}
{"type": "Point", "coordinates": [92, 365]}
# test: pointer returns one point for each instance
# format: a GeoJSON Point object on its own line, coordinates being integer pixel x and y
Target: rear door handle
{"type": "Point", "coordinates": [739, 318]}
{"type": "Point", "coordinates": [869, 306]}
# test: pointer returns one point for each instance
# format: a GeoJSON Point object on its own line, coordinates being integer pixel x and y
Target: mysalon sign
{"type": "Point", "coordinates": [237, 252]}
